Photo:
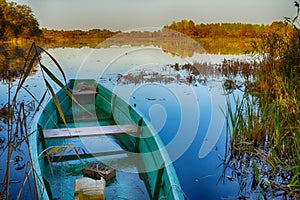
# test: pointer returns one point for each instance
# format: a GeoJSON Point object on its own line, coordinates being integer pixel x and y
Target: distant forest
{"type": "Point", "coordinates": [18, 24]}
{"type": "Point", "coordinates": [235, 30]}
{"type": "Point", "coordinates": [18, 21]}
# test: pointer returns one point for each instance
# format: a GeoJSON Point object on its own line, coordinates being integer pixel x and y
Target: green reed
{"type": "Point", "coordinates": [264, 125]}
{"type": "Point", "coordinates": [266, 136]}
{"type": "Point", "coordinates": [16, 117]}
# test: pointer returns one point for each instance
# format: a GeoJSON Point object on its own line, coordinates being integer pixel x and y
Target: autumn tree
{"type": "Point", "coordinates": [184, 26]}
{"type": "Point", "coordinates": [17, 21]}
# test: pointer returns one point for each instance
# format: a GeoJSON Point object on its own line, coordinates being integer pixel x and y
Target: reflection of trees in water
{"type": "Point", "coordinates": [175, 43]}
{"type": "Point", "coordinates": [170, 41]}
{"type": "Point", "coordinates": [12, 60]}
{"type": "Point", "coordinates": [179, 44]}
{"type": "Point", "coordinates": [194, 74]}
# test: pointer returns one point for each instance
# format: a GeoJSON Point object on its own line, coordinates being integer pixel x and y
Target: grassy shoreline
{"type": "Point", "coordinates": [265, 124]}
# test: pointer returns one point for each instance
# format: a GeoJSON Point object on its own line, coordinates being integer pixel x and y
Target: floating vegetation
{"type": "Point", "coordinates": [196, 74]}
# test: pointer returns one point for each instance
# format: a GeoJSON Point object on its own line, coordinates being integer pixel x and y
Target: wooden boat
{"type": "Point", "coordinates": [100, 127]}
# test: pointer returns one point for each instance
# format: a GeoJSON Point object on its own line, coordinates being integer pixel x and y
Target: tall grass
{"type": "Point", "coordinates": [265, 138]}
{"type": "Point", "coordinates": [15, 115]}
{"type": "Point", "coordinates": [264, 126]}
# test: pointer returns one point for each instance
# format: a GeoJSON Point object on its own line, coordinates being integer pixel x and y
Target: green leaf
{"type": "Point", "coordinates": [56, 63]}
{"type": "Point", "coordinates": [61, 85]}
{"type": "Point", "coordinates": [58, 82]}
{"type": "Point", "coordinates": [56, 102]}
{"type": "Point", "coordinates": [256, 171]}
{"type": "Point", "coordinates": [25, 138]}
{"type": "Point", "coordinates": [55, 150]}
{"type": "Point", "coordinates": [35, 99]}
{"type": "Point", "coordinates": [3, 117]}
{"type": "Point", "coordinates": [39, 105]}
{"type": "Point", "coordinates": [62, 153]}
{"type": "Point", "coordinates": [26, 74]}
{"type": "Point", "coordinates": [52, 76]}
{"type": "Point", "coordinates": [295, 180]}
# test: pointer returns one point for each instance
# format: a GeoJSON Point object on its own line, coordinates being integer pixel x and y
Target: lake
{"type": "Point", "coordinates": [186, 111]}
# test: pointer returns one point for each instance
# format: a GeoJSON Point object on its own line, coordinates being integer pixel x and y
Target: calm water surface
{"type": "Point", "coordinates": [187, 116]}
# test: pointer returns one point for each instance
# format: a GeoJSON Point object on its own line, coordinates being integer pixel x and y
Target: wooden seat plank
{"type": "Point", "coordinates": [90, 131]}
{"type": "Point", "coordinates": [84, 92]}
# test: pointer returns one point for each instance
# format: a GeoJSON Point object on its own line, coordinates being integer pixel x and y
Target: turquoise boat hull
{"type": "Point", "coordinates": [144, 169]}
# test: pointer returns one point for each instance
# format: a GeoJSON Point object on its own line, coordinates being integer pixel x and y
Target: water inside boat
{"type": "Point", "coordinates": [110, 141]}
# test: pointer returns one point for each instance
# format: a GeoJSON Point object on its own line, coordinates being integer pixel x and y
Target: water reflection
{"type": "Point", "coordinates": [171, 42]}
{"type": "Point", "coordinates": [183, 100]}
{"type": "Point", "coordinates": [175, 43]}
{"type": "Point", "coordinates": [12, 61]}
{"type": "Point", "coordinates": [196, 140]}
{"type": "Point", "coordinates": [155, 90]}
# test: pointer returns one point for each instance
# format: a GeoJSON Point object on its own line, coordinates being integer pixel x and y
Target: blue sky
{"type": "Point", "coordinates": [130, 14]}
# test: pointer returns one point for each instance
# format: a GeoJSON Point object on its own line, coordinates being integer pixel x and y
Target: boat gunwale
{"type": "Point", "coordinates": [175, 187]}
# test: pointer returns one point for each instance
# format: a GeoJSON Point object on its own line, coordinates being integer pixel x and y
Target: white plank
{"type": "Point", "coordinates": [90, 131]}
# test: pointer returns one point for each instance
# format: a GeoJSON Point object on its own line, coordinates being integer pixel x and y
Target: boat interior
{"type": "Point", "coordinates": [114, 139]}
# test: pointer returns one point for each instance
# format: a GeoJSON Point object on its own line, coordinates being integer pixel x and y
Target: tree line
{"type": "Point", "coordinates": [18, 21]}
{"type": "Point", "coordinates": [90, 34]}
{"type": "Point", "coordinates": [236, 30]}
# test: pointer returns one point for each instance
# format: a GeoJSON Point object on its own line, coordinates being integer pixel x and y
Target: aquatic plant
{"type": "Point", "coordinates": [264, 126]}
{"type": "Point", "coordinates": [16, 115]}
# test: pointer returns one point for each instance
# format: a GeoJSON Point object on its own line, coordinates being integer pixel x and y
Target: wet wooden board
{"type": "Point", "coordinates": [90, 131]}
